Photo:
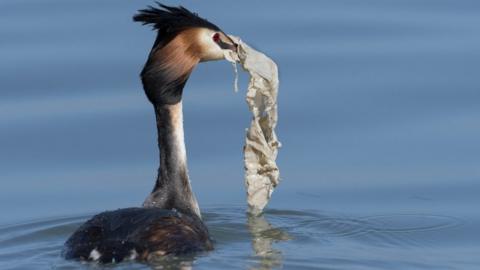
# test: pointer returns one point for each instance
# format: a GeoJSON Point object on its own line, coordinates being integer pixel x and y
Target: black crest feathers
{"type": "Point", "coordinates": [171, 20]}
{"type": "Point", "coordinates": [161, 85]}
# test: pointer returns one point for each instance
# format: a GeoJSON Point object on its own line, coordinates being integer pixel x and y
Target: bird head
{"type": "Point", "coordinates": [213, 44]}
{"type": "Point", "coordinates": [183, 40]}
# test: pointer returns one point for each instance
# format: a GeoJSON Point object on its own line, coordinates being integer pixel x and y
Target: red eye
{"type": "Point", "coordinates": [216, 37]}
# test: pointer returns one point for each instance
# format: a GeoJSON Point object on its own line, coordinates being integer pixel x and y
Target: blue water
{"type": "Point", "coordinates": [379, 121]}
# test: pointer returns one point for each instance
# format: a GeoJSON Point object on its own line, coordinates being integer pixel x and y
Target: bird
{"type": "Point", "coordinates": [169, 221]}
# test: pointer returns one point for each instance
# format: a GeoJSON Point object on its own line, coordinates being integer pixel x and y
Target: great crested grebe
{"type": "Point", "coordinates": [169, 221]}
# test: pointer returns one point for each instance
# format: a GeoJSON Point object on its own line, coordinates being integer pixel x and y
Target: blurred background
{"type": "Point", "coordinates": [378, 108]}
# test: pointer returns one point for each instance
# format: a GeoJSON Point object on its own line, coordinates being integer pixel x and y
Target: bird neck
{"type": "Point", "coordinates": [172, 188]}
{"type": "Point", "coordinates": [164, 76]}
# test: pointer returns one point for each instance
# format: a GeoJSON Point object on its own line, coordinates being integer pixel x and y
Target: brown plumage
{"type": "Point", "coordinates": [169, 223]}
{"type": "Point", "coordinates": [115, 236]}
{"type": "Point", "coordinates": [179, 56]}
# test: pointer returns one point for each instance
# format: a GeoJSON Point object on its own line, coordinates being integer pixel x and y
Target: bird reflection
{"type": "Point", "coordinates": [172, 262]}
{"type": "Point", "coordinates": [263, 236]}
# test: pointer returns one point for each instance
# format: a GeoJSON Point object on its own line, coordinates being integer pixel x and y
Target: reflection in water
{"type": "Point", "coordinates": [171, 262]}
{"type": "Point", "coordinates": [263, 236]}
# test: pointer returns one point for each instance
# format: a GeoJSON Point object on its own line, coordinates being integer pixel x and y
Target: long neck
{"type": "Point", "coordinates": [164, 76]}
{"type": "Point", "coordinates": [172, 188]}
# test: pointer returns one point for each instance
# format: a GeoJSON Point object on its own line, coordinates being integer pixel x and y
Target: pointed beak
{"type": "Point", "coordinates": [228, 44]}
{"type": "Point", "coordinates": [233, 45]}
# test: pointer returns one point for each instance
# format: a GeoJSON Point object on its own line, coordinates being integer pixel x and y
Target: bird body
{"type": "Point", "coordinates": [169, 222]}
{"type": "Point", "coordinates": [138, 234]}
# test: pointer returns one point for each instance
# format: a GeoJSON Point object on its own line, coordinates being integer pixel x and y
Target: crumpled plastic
{"type": "Point", "coordinates": [261, 142]}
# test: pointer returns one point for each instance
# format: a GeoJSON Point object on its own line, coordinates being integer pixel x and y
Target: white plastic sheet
{"type": "Point", "coordinates": [261, 143]}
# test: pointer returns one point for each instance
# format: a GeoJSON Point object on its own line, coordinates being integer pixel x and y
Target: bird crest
{"type": "Point", "coordinates": [170, 21]}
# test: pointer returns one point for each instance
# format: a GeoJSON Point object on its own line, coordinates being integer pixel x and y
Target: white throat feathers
{"type": "Point", "coordinates": [172, 189]}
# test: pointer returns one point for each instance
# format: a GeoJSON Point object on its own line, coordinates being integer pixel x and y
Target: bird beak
{"type": "Point", "coordinates": [227, 43]}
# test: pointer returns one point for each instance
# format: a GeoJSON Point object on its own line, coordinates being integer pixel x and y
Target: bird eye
{"type": "Point", "coordinates": [216, 37]}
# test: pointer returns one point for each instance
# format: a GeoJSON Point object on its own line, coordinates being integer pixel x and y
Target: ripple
{"type": "Point", "coordinates": [242, 240]}
{"type": "Point", "coordinates": [393, 230]}
{"type": "Point", "coordinates": [401, 223]}
{"type": "Point", "coordinates": [25, 233]}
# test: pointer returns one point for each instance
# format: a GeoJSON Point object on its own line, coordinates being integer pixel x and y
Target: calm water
{"type": "Point", "coordinates": [379, 118]}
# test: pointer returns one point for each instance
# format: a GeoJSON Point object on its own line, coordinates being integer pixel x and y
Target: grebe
{"type": "Point", "coordinates": [169, 222]}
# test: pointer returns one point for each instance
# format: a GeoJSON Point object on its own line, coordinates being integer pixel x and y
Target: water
{"type": "Point", "coordinates": [378, 119]}
{"type": "Point", "coordinates": [320, 240]}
